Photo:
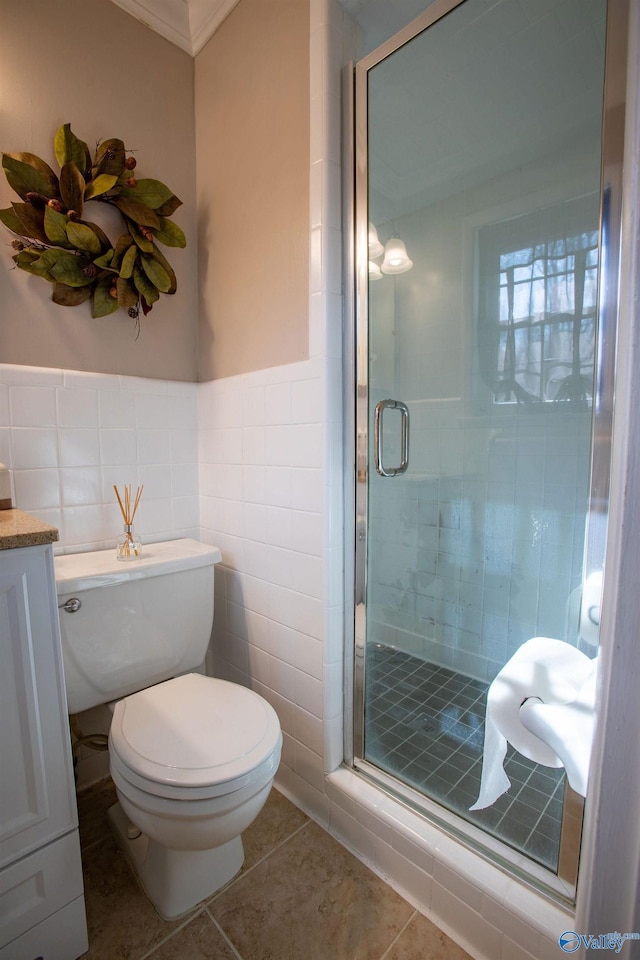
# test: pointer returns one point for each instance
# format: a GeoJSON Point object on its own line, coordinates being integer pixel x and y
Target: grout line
{"type": "Point", "coordinates": [212, 900]}
{"type": "Point", "coordinates": [542, 813]}
{"type": "Point", "coordinates": [245, 873]}
{"type": "Point", "coordinates": [397, 936]}
{"type": "Point", "coordinates": [222, 934]}
{"type": "Point", "coordinates": [161, 943]}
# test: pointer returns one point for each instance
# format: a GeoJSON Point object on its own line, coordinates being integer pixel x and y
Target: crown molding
{"type": "Point", "coordinates": [205, 16]}
{"type": "Point", "coordinates": [186, 23]}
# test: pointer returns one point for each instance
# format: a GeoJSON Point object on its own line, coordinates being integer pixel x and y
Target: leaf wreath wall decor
{"type": "Point", "coordinates": [58, 244]}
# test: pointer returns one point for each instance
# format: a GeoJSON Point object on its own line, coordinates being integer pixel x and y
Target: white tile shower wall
{"type": "Point", "coordinates": [469, 566]}
{"type": "Point", "coordinates": [69, 437]}
{"type": "Point", "coordinates": [479, 546]}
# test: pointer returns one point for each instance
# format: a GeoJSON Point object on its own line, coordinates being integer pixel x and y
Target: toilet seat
{"type": "Point", "coordinates": [194, 737]}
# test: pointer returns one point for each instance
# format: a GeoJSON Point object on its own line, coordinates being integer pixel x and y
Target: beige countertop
{"type": "Point", "coordinates": [18, 529]}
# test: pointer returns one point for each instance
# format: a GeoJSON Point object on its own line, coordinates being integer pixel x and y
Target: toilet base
{"type": "Point", "coordinates": [175, 881]}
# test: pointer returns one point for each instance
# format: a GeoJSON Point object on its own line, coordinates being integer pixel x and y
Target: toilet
{"type": "Point", "coordinates": [193, 758]}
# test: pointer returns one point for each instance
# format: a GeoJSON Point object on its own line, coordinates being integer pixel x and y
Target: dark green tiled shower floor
{"type": "Point", "coordinates": [425, 726]}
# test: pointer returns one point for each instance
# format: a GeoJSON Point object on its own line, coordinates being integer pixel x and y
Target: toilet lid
{"type": "Point", "coordinates": [194, 731]}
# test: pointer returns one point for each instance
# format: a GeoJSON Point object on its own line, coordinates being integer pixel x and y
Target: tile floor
{"type": "Point", "coordinates": [299, 896]}
{"type": "Point", "coordinates": [425, 725]}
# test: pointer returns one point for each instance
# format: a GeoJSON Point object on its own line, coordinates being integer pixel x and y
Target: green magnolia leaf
{"type": "Point", "coordinates": [55, 227]}
{"type": "Point", "coordinates": [170, 234]}
{"type": "Point", "coordinates": [110, 157]}
{"type": "Point", "coordinates": [151, 193]}
{"type": "Point", "coordinates": [23, 178]}
{"type": "Point", "coordinates": [103, 302]}
{"type": "Point", "coordinates": [145, 286]}
{"type": "Point", "coordinates": [83, 238]}
{"type": "Point", "coordinates": [164, 263]}
{"type": "Point", "coordinates": [128, 262]}
{"type": "Point", "coordinates": [156, 273]}
{"type": "Point", "coordinates": [127, 293]}
{"type": "Point", "coordinates": [69, 269]}
{"type": "Point", "coordinates": [145, 245]}
{"type": "Point", "coordinates": [105, 243]}
{"type": "Point", "coordinates": [72, 187]}
{"type": "Point", "coordinates": [138, 212]}
{"type": "Point", "coordinates": [124, 242]}
{"type": "Point", "coordinates": [11, 220]}
{"type": "Point", "coordinates": [51, 187]}
{"type": "Point", "coordinates": [32, 221]}
{"type": "Point", "coordinates": [46, 263]}
{"type": "Point", "coordinates": [68, 147]}
{"type": "Point", "coordinates": [102, 184]}
{"type": "Point", "coordinates": [70, 296]}
{"type": "Point", "coordinates": [169, 207]}
{"type": "Point", "coordinates": [26, 259]}
{"type": "Point", "coordinates": [104, 262]}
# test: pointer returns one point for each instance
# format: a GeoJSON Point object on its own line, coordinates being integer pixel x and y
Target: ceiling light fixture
{"type": "Point", "coordinates": [375, 247]}
{"type": "Point", "coordinates": [396, 259]}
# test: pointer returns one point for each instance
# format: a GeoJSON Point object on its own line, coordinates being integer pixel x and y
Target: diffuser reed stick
{"type": "Point", "coordinates": [129, 546]}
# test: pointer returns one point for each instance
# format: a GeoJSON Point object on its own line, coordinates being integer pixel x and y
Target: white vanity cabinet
{"type": "Point", "coordinates": [42, 912]}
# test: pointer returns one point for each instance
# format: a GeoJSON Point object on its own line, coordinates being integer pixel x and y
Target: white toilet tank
{"type": "Point", "coordinates": [139, 622]}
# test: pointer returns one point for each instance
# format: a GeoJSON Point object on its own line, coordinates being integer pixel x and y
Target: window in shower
{"type": "Point", "coordinates": [537, 304]}
{"type": "Point", "coordinates": [482, 122]}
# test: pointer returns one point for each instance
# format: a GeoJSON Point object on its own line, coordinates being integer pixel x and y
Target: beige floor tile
{"type": "Point", "coordinates": [277, 820]}
{"type": "Point", "coordinates": [310, 900]}
{"type": "Point", "coordinates": [199, 940]}
{"type": "Point", "coordinates": [121, 921]}
{"type": "Point", "coordinates": [422, 940]}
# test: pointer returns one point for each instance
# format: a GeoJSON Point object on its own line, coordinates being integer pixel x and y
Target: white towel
{"type": "Point", "coordinates": [568, 729]}
{"type": "Point", "coordinates": [551, 670]}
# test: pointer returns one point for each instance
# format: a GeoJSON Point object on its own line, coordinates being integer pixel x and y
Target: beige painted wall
{"type": "Point", "coordinates": [91, 64]}
{"type": "Point", "coordinates": [252, 136]}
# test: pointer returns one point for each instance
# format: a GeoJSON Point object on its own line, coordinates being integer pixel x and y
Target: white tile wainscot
{"type": "Point", "coordinates": [262, 457]}
{"type": "Point", "coordinates": [69, 436]}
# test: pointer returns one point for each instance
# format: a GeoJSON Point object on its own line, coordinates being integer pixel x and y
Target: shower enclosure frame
{"type": "Point", "coordinates": [356, 441]}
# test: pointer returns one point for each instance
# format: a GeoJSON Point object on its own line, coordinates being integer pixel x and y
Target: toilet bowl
{"type": "Point", "coordinates": [193, 761]}
{"type": "Point", "coordinates": [193, 758]}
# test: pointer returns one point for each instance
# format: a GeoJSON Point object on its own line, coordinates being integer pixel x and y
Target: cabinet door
{"type": "Point", "coordinates": [37, 800]}
{"type": "Point", "coordinates": [36, 888]}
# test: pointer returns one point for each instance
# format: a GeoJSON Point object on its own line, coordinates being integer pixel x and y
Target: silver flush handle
{"type": "Point", "coordinates": [71, 606]}
{"type": "Point", "coordinates": [377, 437]}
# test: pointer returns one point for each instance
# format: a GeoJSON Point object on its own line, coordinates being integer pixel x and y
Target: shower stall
{"type": "Point", "coordinates": [487, 199]}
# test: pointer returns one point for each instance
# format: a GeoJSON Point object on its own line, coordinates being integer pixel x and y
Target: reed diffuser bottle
{"type": "Point", "coordinates": [129, 545]}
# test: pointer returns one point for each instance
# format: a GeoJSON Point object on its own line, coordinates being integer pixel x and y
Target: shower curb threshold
{"type": "Point", "coordinates": [475, 902]}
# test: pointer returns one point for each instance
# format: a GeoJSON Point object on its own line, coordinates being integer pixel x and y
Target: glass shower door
{"type": "Point", "coordinates": [478, 199]}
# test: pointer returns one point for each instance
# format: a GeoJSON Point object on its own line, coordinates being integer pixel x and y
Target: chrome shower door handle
{"type": "Point", "coordinates": [377, 437]}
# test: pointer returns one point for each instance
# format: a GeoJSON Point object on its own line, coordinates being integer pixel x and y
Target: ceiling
{"type": "Point", "coordinates": [187, 23]}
